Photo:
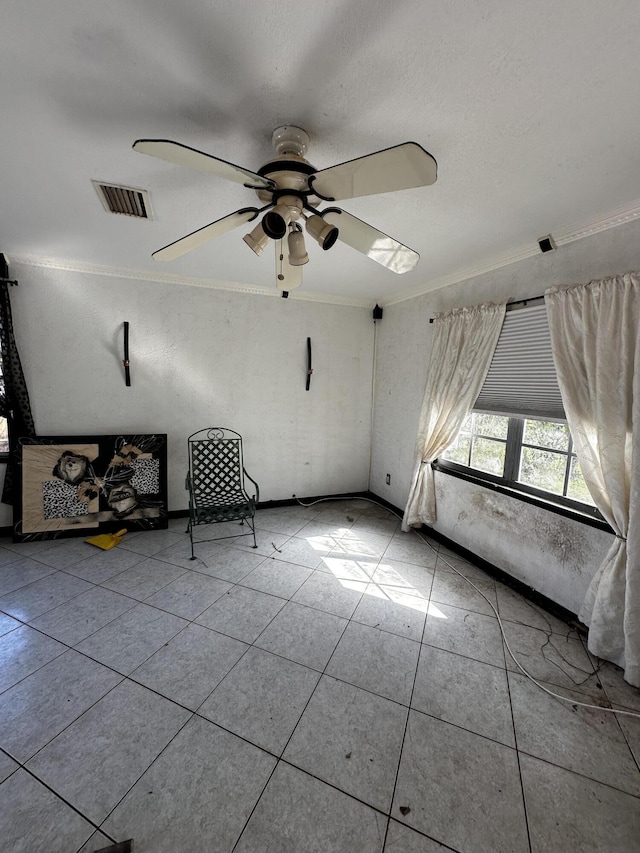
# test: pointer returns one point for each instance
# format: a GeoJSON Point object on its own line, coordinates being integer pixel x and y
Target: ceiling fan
{"type": "Point", "coordinates": [291, 190]}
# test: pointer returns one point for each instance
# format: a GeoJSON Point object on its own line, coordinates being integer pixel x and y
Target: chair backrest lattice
{"type": "Point", "coordinates": [216, 467]}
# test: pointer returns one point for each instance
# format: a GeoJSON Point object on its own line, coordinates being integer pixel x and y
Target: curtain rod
{"type": "Point", "coordinates": [516, 302]}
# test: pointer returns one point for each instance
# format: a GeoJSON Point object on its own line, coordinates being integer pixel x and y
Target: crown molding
{"type": "Point", "coordinates": [562, 236]}
{"type": "Point", "coordinates": [189, 281]}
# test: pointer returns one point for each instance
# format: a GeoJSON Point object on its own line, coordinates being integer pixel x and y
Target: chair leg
{"type": "Point", "coordinates": [189, 530]}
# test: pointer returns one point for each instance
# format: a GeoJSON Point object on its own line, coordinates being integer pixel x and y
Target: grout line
{"type": "Point", "coordinates": [406, 723]}
{"type": "Point", "coordinates": [515, 741]}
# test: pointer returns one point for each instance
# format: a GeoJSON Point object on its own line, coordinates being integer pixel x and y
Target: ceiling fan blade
{"type": "Point", "coordinates": [204, 235]}
{"type": "Point", "coordinates": [288, 277]}
{"type": "Point", "coordinates": [182, 155]}
{"type": "Point", "coordinates": [374, 244]}
{"type": "Point", "coordinates": [399, 168]}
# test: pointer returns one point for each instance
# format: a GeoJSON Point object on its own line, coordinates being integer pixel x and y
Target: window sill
{"type": "Point", "coordinates": [550, 506]}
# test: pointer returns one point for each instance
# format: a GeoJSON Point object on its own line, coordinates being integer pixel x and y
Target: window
{"type": "Point", "coordinates": [526, 454]}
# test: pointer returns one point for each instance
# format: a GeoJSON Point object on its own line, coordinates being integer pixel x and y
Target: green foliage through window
{"type": "Point", "coordinates": [521, 452]}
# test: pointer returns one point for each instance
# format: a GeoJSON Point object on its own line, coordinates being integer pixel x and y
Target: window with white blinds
{"type": "Point", "coordinates": [522, 378]}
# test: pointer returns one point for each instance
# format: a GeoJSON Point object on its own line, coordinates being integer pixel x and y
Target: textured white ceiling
{"type": "Point", "coordinates": [530, 109]}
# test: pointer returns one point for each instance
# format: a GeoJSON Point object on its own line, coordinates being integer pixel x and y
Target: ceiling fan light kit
{"type": "Point", "coordinates": [257, 240]}
{"type": "Point", "coordinates": [290, 189]}
{"type": "Point", "coordinates": [297, 250]}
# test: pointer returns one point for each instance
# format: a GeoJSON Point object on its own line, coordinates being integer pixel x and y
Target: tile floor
{"type": "Point", "coordinates": [339, 689]}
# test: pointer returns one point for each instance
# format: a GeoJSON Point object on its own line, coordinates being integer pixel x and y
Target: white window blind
{"type": "Point", "coordinates": [522, 378]}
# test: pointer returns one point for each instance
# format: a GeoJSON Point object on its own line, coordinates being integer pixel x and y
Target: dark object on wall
{"type": "Point", "coordinates": [285, 294]}
{"type": "Point", "coordinates": [547, 244]}
{"type": "Point", "coordinates": [309, 369]}
{"type": "Point", "coordinates": [216, 483]}
{"type": "Point", "coordinates": [75, 485]}
{"type": "Point", "coordinates": [14, 397]}
{"type": "Point", "coordinates": [377, 313]}
{"type": "Point", "coordinates": [125, 360]}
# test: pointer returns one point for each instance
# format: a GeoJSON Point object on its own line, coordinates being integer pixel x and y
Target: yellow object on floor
{"type": "Point", "coordinates": [106, 541]}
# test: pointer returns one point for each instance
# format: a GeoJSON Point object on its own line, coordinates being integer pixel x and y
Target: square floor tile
{"type": "Point", "coordinates": [514, 607]}
{"type": "Point", "coordinates": [465, 633]}
{"type": "Point", "coordinates": [277, 578]}
{"type": "Point", "coordinates": [151, 542]}
{"type": "Point", "coordinates": [584, 740]}
{"type": "Point", "coordinates": [197, 796]}
{"type": "Point", "coordinates": [274, 521]}
{"type": "Point", "coordinates": [189, 595]}
{"type": "Point", "coordinates": [43, 704]}
{"type": "Point", "coordinates": [452, 589]}
{"type": "Point", "coordinates": [401, 839]}
{"type": "Point", "coordinates": [453, 563]}
{"type": "Point", "coordinates": [351, 739]}
{"type": "Point", "coordinates": [298, 813]}
{"type": "Point", "coordinates": [65, 552]}
{"type": "Point", "coordinates": [409, 548]}
{"type": "Point", "coordinates": [348, 567]}
{"type": "Point", "coordinates": [328, 593]}
{"type": "Point", "coordinates": [33, 819]}
{"type": "Point", "coordinates": [180, 553]}
{"type": "Point", "coordinates": [19, 574]}
{"type": "Point", "coordinates": [568, 812]}
{"type": "Point", "coordinates": [229, 564]}
{"type": "Point", "coordinates": [7, 766]}
{"type": "Point", "coordinates": [130, 639]}
{"type": "Point", "coordinates": [465, 692]}
{"type": "Point", "coordinates": [98, 841]}
{"type": "Point", "coordinates": [121, 735]}
{"type": "Point", "coordinates": [268, 543]}
{"type": "Point", "coordinates": [81, 616]}
{"type": "Point", "coordinates": [7, 623]}
{"type": "Point", "coordinates": [189, 666]}
{"type": "Point", "coordinates": [631, 729]}
{"type": "Point", "coordinates": [262, 698]}
{"type": "Point", "coordinates": [98, 566]}
{"type": "Point", "coordinates": [376, 660]}
{"type": "Point", "coordinates": [22, 652]}
{"type": "Point", "coordinates": [364, 544]}
{"type": "Point", "coordinates": [618, 691]}
{"type": "Point", "coordinates": [392, 611]}
{"type": "Point", "coordinates": [303, 634]}
{"type": "Point", "coordinates": [143, 579]}
{"type": "Point", "coordinates": [397, 578]}
{"type": "Point", "coordinates": [461, 789]}
{"type": "Point", "coordinates": [28, 549]}
{"type": "Point", "coordinates": [242, 613]}
{"type": "Point", "coordinates": [552, 658]}
{"type": "Point", "coordinates": [7, 556]}
{"type": "Point", "coordinates": [380, 526]}
{"type": "Point", "coordinates": [42, 595]}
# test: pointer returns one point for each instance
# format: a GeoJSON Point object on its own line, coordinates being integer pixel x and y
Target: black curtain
{"type": "Point", "coordinates": [14, 397]}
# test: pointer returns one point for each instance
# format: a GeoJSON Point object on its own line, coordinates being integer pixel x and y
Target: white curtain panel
{"type": "Point", "coordinates": [463, 344]}
{"type": "Point", "coordinates": [594, 336]}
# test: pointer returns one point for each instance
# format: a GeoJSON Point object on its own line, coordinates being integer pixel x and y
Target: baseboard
{"type": "Point", "coordinates": [292, 501]}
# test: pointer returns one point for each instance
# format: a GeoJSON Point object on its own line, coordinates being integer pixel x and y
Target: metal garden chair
{"type": "Point", "coordinates": [216, 483]}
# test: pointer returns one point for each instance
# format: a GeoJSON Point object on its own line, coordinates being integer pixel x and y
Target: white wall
{"type": "Point", "coordinates": [201, 357]}
{"type": "Point", "coordinates": [556, 556]}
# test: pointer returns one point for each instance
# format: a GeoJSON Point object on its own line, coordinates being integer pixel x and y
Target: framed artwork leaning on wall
{"type": "Point", "coordinates": [79, 485]}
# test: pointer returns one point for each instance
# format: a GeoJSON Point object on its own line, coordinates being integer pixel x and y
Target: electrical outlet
{"type": "Point", "coordinates": [388, 479]}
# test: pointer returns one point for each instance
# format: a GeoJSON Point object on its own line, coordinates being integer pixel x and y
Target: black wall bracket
{"type": "Point", "coordinates": [125, 360]}
{"type": "Point", "coordinates": [309, 369]}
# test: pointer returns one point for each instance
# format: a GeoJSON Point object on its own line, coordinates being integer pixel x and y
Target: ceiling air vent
{"type": "Point", "coordinates": [126, 200]}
